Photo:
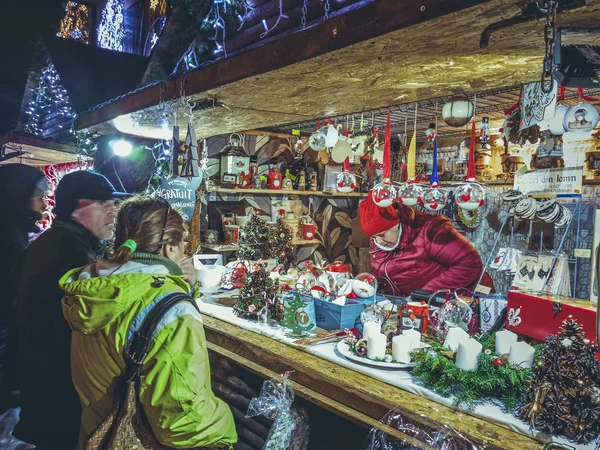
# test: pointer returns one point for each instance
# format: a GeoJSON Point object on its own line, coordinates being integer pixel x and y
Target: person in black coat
{"type": "Point", "coordinates": [85, 214]}
{"type": "Point", "coordinates": [21, 202]}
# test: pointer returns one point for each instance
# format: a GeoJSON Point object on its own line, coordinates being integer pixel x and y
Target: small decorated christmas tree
{"type": "Point", "coordinates": [258, 292]}
{"type": "Point", "coordinates": [564, 394]}
{"type": "Point", "coordinates": [280, 240]}
{"type": "Point", "coordinates": [295, 316]}
{"type": "Point", "coordinates": [254, 240]}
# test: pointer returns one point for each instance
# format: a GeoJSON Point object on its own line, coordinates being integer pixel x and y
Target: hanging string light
{"type": "Point", "coordinates": [48, 97]}
{"type": "Point", "coordinates": [76, 23]}
{"type": "Point", "coordinates": [269, 29]}
{"type": "Point", "coordinates": [215, 20]}
{"type": "Point", "coordinates": [111, 31]}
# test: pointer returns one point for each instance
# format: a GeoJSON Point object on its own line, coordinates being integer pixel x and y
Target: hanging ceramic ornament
{"type": "Point", "coordinates": [581, 118]}
{"type": "Point", "coordinates": [434, 198]}
{"type": "Point", "coordinates": [332, 135]}
{"type": "Point", "coordinates": [346, 180]}
{"type": "Point", "coordinates": [384, 194]}
{"type": "Point", "coordinates": [470, 195]}
{"type": "Point", "coordinates": [555, 125]}
{"type": "Point", "coordinates": [342, 148]}
{"type": "Point", "coordinates": [317, 140]}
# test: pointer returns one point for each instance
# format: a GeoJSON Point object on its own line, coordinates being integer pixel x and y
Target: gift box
{"type": "Point", "coordinates": [331, 316]}
{"type": "Point", "coordinates": [538, 316]}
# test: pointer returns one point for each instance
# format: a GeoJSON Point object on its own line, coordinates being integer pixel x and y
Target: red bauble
{"type": "Point", "coordinates": [499, 362]}
{"type": "Point", "coordinates": [238, 276]}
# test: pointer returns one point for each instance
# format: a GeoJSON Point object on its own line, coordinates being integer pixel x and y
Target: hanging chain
{"type": "Point", "coordinates": [327, 7]}
{"type": "Point", "coordinates": [304, 13]}
{"type": "Point", "coordinates": [549, 38]}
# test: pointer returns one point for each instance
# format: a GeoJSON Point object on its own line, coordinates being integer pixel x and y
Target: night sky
{"type": "Point", "coordinates": [21, 20]}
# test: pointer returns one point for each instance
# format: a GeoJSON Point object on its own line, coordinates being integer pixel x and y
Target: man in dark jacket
{"type": "Point", "coordinates": [21, 199]}
{"type": "Point", "coordinates": [85, 213]}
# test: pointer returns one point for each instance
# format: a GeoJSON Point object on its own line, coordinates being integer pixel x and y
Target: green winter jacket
{"type": "Point", "coordinates": [175, 391]}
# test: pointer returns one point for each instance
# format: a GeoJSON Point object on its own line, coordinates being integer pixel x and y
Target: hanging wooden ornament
{"type": "Point", "coordinates": [175, 152]}
{"type": "Point", "coordinates": [470, 195]}
{"type": "Point", "coordinates": [385, 193]}
{"type": "Point", "coordinates": [189, 168]}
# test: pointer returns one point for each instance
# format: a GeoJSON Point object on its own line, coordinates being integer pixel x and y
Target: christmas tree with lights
{"type": "Point", "coordinates": [111, 31]}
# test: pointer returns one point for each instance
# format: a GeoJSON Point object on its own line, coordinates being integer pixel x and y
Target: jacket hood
{"type": "Point", "coordinates": [93, 299]}
{"type": "Point", "coordinates": [17, 184]}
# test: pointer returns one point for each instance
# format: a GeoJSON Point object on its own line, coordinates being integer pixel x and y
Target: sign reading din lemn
{"type": "Point", "coordinates": [563, 182]}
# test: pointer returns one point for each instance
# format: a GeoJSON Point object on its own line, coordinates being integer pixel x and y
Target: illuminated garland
{"type": "Point", "coordinates": [48, 97]}
{"type": "Point", "coordinates": [158, 7]}
{"type": "Point", "coordinates": [76, 23]}
{"type": "Point", "coordinates": [111, 31]}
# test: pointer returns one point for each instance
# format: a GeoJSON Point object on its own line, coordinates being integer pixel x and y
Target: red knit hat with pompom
{"type": "Point", "coordinates": [375, 219]}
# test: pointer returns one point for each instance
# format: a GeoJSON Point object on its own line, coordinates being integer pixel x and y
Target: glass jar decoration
{"type": "Point", "coordinates": [346, 180]}
{"type": "Point", "coordinates": [410, 193]}
{"type": "Point", "coordinates": [384, 194]}
{"type": "Point", "coordinates": [305, 281]}
{"type": "Point", "coordinates": [470, 196]}
{"type": "Point", "coordinates": [335, 276]}
{"type": "Point", "coordinates": [458, 111]}
{"type": "Point", "coordinates": [581, 118]}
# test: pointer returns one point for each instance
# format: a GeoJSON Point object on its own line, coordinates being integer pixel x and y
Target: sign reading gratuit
{"type": "Point", "coordinates": [565, 181]}
{"type": "Point", "coordinates": [181, 194]}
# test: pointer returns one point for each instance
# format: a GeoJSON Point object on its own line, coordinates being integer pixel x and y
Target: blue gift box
{"type": "Point", "coordinates": [337, 317]}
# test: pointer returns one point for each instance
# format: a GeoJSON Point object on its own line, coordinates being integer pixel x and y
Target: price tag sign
{"type": "Point", "coordinates": [296, 133]}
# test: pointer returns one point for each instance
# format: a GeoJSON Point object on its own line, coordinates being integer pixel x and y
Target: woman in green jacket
{"type": "Point", "coordinates": [105, 302]}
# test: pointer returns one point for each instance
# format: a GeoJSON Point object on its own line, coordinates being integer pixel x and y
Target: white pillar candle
{"type": "Point", "coordinates": [504, 339]}
{"type": "Point", "coordinates": [414, 336]}
{"type": "Point", "coordinates": [521, 354]}
{"type": "Point", "coordinates": [370, 328]}
{"type": "Point", "coordinates": [467, 354]}
{"type": "Point", "coordinates": [376, 344]}
{"type": "Point", "coordinates": [454, 336]}
{"type": "Point", "coordinates": [401, 348]}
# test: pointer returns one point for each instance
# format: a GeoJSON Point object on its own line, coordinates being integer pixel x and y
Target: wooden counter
{"type": "Point", "coordinates": [352, 395]}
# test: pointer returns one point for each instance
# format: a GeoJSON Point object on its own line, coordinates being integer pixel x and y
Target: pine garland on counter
{"type": "Point", "coordinates": [494, 377]}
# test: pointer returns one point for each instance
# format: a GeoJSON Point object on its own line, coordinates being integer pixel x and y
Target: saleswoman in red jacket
{"type": "Point", "coordinates": [412, 250]}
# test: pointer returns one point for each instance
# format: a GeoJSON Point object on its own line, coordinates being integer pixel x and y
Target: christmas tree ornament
{"type": "Point", "coordinates": [458, 111]}
{"type": "Point", "coordinates": [365, 285]}
{"type": "Point", "coordinates": [484, 132]}
{"type": "Point", "coordinates": [317, 140]}
{"type": "Point", "coordinates": [470, 195]}
{"type": "Point", "coordinates": [562, 398]}
{"type": "Point", "coordinates": [254, 240]}
{"type": "Point", "coordinates": [430, 135]}
{"type": "Point", "coordinates": [305, 282]}
{"type": "Point", "coordinates": [332, 135]}
{"type": "Point", "coordinates": [335, 276]}
{"type": "Point", "coordinates": [581, 118]}
{"type": "Point", "coordinates": [259, 290]}
{"type": "Point", "coordinates": [298, 314]}
{"type": "Point", "coordinates": [434, 198]}
{"type": "Point", "coordinates": [410, 193]}
{"type": "Point", "coordinates": [346, 180]}
{"type": "Point", "coordinates": [342, 149]}
{"type": "Point", "coordinates": [384, 194]}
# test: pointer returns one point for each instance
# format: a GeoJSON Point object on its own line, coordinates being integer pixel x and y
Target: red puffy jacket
{"type": "Point", "coordinates": [431, 255]}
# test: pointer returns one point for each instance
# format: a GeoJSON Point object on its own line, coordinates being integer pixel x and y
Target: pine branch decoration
{"type": "Point", "coordinates": [564, 395]}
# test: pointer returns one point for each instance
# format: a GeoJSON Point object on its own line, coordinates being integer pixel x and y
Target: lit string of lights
{"type": "Point", "coordinates": [215, 20]}
{"type": "Point", "coordinates": [269, 29]}
{"type": "Point", "coordinates": [158, 7]}
{"type": "Point", "coordinates": [111, 31]}
{"type": "Point", "coordinates": [48, 98]}
{"type": "Point", "coordinates": [76, 23]}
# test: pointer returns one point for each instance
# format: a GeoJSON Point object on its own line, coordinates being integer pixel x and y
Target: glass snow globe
{"type": "Point", "coordinates": [410, 193]}
{"type": "Point", "coordinates": [365, 285]}
{"type": "Point", "coordinates": [346, 182]}
{"type": "Point", "coordinates": [581, 118]}
{"type": "Point", "coordinates": [384, 194]}
{"type": "Point", "coordinates": [435, 198]}
{"type": "Point", "coordinates": [470, 196]}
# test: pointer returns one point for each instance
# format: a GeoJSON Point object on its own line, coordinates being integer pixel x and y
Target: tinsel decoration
{"type": "Point", "coordinates": [280, 240]}
{"type": "Point", "coordinates": [254, 240]}
{"type": "Point", "coordinates": [259, 291]}
{"type": "Point", "coordinates": [564, 394]}
{"type": "Point", "coordinates": [494, 377]}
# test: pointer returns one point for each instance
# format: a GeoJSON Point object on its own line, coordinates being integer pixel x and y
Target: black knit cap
{"type": "Point", "coordinates": [82, 185]}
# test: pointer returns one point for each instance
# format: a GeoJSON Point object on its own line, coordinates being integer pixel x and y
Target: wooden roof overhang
{"type": "Point", "coordinates": [367, 56]}
{"type": "Point", "coordinates": [34, 151]}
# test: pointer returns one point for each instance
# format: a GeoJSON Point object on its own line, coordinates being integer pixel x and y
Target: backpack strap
{"type": "Point", "coordinates": [137, 349]}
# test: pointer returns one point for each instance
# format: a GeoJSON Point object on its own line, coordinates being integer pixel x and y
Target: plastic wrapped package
{"type": "Point", "coordinates": [290, 429]}
{"type": "Point", "coordinates": [405, 436]}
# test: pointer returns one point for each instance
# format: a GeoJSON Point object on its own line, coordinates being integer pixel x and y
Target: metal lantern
{"type": "Point", "coordinates": [410, 194]}
{"type": "Point", "coordinates": [581, 118]}
{"type": "Point", "coordinates": [435, 198]}
{"type": "Point", "coordinates": [470, 196]}
{"type": "Point", "coordinates": [458, 111]}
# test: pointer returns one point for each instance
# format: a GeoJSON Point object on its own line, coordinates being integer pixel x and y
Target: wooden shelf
{"type": "Point", "coordinates": [225, 248]}
{"type": "Point", "coordinates": [288, 192]}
